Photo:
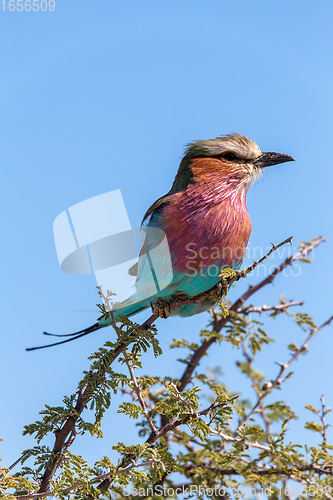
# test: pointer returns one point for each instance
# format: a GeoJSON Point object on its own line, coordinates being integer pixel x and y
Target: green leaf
{"type": "Point", "coordinates": [131, 409]}
{"type": "Point", "coordinates": [313, 426]}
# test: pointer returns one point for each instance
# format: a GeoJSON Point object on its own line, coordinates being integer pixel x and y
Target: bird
{"type": "Point", "coordinates": [206, 224]}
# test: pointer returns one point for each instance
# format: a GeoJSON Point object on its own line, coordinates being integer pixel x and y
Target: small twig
{"type": "Point", "coordinates": [129, 364]}
{"type": "Point", "coordinates": [210, 408]}
{"type": "Point", "coordinates": [248, 358]}
{"type": "Point", "coordinates": [249, 444]}
{"type": "Point", "coordinates": [133, 396]}
{"type": "Point", "coordinates": [182, 400]}
{"type": "Point", "coordinates": [237, 275]}
{"type": "Point", "coordinates": [323, 421]}
{"type": "Point", "coordinates": [218, 324]}
{"type": "Point", "coordinates": [283, 368]}
{"type": "Point", "coordinates": [255, 385]}
{"type": "Point", "coordinates": [213, 406]}
{"type": "Point", "coordinates": [267, 421]}
{"type": "Point", "coordinates": [179, 437]}
{"type": "Point", "coordinates": [130, 393]}
{"type": "Point", "coordinates": [267, 255]}
{"type": "Point", "coordinates": [280, 472]}
{"type": "Point", "coordinates": [264, 308]}
{"type": "Point", "coordinates": [137, 391]}
{"type": "Point", "coordinates": [270, 278]}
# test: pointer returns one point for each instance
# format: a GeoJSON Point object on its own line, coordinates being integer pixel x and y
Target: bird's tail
{"type": "Point", "coordinates": [102, 322]}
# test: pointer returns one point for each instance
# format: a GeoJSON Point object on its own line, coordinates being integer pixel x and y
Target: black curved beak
{"type": "Point", "coordinates": [268, 159]}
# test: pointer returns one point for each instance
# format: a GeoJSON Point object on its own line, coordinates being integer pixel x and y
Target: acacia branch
{"type": "Point", "coordinates": [255, 385]}
{"type": "Point", "coordinates": [83, 398]}
{"type": "Point", "coordinates": [76, 485]}
{"type": "Point", "coordinates": [137, 390]}
{"type": "Point", "coordinates": [178, 302]}
{"type": "Point", "coordinates": [264, 308]}
{"type": "Point", "coordinates": [283, 368]}
{"type": "Point", "coordinates": [218, 324]}
{"type": "Point", "coordinates": [63, 436]}
{"type": "Point", "coordinates": [231, 439]}
{"type": "Point", "coordinates": [278, 471]}
{"type": "Point", "coordinates": [129, 364]}
{"type": "Point", "coordinates": [169, 426]}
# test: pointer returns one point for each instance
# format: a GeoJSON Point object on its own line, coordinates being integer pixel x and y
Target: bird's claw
{"type": "Point", "coordinates": [217, 291]}
{"type": "Point", "coordinates": [225, 283]}
{"type": "Point", "coordinates": [161, 309]}
{"type": "Point", "coordinates": [228, 277]}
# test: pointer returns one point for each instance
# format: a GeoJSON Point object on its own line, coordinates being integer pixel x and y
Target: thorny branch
{"type": "Point", "coordinates": [218, 324]}
{"type": "Point", "coordinates": [283, 368]}
{"type": "Point", "coordinates": [68, 428]}
{"type": "Point", "coordinates": [129, 462]}
{"type": "Point", "coordinates": [255, 384]}
{"type": "Point", "coordinates": [169, 426]}
{"type": "Point", "coordinates": [231, 439]}
{"type": "Point", "coordinates": [264, 308]}
{"type": "Point", "coordinates": [237, 275]}
{"type": "Point", "coordinates": [129, 365]}
{"type": "Point", "coordinates": [281, 472]}
{"type": "Point", "coordinates": [74, 486]}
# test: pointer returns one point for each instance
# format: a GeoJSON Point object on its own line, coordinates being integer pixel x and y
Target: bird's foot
{"type": "Point", "coordinates": [161, 309]}
{"type": "Point", "coordinates": [217, 295]}
{"type": "Point", "coordinates": [217, 291]}
{"type": "Point", "coordinates": [229, 276]}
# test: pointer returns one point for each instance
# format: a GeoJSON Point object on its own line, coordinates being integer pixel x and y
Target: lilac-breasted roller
{"type": "Point", "coordinates": [205, 220]}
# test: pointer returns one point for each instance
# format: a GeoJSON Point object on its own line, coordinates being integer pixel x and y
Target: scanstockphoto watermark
{"type": "Point", "coordinates": [198, 491]}
{"type": "Point", "coordinates": [241, 491]}
{"type": "Point", "coordinates": [96, 236]}
{"type": "Point", "coordinates": [281, 254]}
{"type": "Point", "coordinates": [208, 261]}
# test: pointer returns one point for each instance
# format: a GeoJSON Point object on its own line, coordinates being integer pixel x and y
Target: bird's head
{"type": "Point", "coordinates": [232, 158]}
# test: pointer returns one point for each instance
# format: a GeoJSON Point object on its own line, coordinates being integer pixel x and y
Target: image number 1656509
{"type": "Point", "coordinates": [27, 5]}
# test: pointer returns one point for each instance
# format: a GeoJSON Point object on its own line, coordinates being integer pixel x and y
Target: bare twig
{"type": "Point", "coordinates": [324, 411]}
{"type": "Point", "coordinates": [270, 278]}
{"type": "Point", "coordinates": [231, 439]}
{"type": "Point", "coordinates": [218, 324]}
{"type": "Point", "coordinates": [137, 391]}
{"type": "Point", "coordinates": [255, 385]}
{"type": "Point", "coordinates": [264, 308]}
{"type": "Point", "coordinates": [283, 368]}
{"type": "Point", "coordinates": [237, 275]}
{"type": "Point", "coordinates": [129, 364]}
{"type": "Point", "coordinates": [269, 471]}
{"type": "Point", "coordinates": [268, 254]}
{"type": "Point", "coordinates": [179, 438]}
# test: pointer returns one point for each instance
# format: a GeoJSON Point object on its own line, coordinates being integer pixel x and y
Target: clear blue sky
{"type": "Point", "coordinates": [97, 96]}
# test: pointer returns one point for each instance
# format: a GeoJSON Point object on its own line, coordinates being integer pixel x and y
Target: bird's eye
{"type": "Point", "coordinates": [229, 156]}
